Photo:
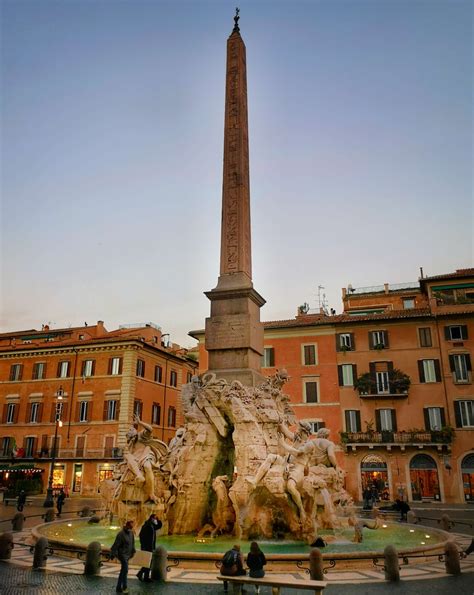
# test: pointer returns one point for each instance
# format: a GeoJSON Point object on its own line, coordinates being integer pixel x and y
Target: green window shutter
{"type": "Point", "coordinates": [464, 331]}
{"type": "Point", "coordinates": [443, 417]}
{"type": "Point", "coordinates": [354, 372]}
{"type": "Point", "coordinates": [451, 363]}
{"type": "Point", "coordinates": [347, 416]}
{"type": "Point", "coordinates": [394, 420]}
{"type": "Point", "coordinates": [339, 376]}
{"type": "Point", "coordinates": [371, 340]}
{"type": "Point", "coordinates": [358, 424]}
{"type": "Point", "coordinates": [385, 339]}
{"type": "Point", "coordinates": [426, 415]}
{"type": "Point", "coordinates": [447, 334]}
{"type": "Point", "coordinates": [353, 341]}
{"type": "Point", "coordinates": [338, 341]}
{"type": "Point", "coordinates": [468, 361]}
{"type": "Point", "coordinates": [272, 357]}
{"type": "Point", "coordinates": [378, 424]}
{"type": "Point", "coordinates": [437, 370]}
{"type": "Point", "coordinates": [421, 370]}
{"type": "Point", "coordinates": [457, 414]}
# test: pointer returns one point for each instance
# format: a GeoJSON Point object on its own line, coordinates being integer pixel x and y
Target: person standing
{"type": "Point", "coordinates": [21, 501]}
{"type": "Point", "coordinates": [123, 549]}
{"type": "Point", "coordinates": [256, 561]}
{"type": "Point", "coordinates": [60, 501]}
{"type": "Point", "coordinates": [148, 543]}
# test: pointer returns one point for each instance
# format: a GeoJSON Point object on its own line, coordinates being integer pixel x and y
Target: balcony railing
{"type": "Point", "coordinates": [67, 453]}
{"type": "Point", "coordinates": [388, 437]}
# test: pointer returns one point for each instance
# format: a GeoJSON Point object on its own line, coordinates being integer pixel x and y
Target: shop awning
{"type": "Point", "coordinates": [4, 466]}
{"type": "Point", "coordinates": [24, 467]}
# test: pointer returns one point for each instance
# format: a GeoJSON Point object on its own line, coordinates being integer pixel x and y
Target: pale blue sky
{"type": "Point", "coordinates": [112, 132]}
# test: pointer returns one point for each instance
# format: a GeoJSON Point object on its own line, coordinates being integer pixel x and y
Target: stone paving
{"type": "Point", "coordinates": [182, 580]}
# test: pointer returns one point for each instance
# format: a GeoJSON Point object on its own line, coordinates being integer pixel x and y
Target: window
{"type": "Point", "coordinates": [138, 408]}
{"type": "Point", "coordinates": [158, 374]}
{"type": "Point", "coordinates": [345, 342]}
{"type": "Point", "coordinates": [141, 368]}
{"type": "Point", "coordinates": [173, 378]}
{"type": "Point", "coordinates": [6, 446]}
{"type": "Point", "coordinates": [309, 355]}
{"type": "Point", "coordinates": [352, 420]}
{"type": "Point", "coordinates": [111, 410]}
{"type": "Point", "coordinates": [268, 357]}
{"type": "Point", "coordinates": [16, 372]}
{"type": "Point", "coordinates": [311, 391]}
{"type": "Point", "coordinates": [63, 369]}
{"type": "Point", "coordinates": [382, 382]}
{"type": "Point", "coordinates": [455, 333]}
{"type": "Point", "coordinates": [83, 407]}
{"type": "Point", "coordinates": [29, 447]}
{"type": "Point", "coordinates": [156, 414]}
{"type": "Point", "coordinates": [434, 418]}
{"type": "Point", "coordinates": [88, 368]}
{"type": "Point", "coordinates": [429, 370]}
{"type": "Point", "coordinates": [386, 420]}
{"type": "Point", "coordinates": [424, 334]}
{"type": "Point", "coordinates": [464, 412]}
{"type": "Point", "coordinates": [378, 339]}
{"type": "Point", "coordinates": [346, 374]}
{"type": "Point", "coordinates": [11, 410]}
{"type": "Point", "coordinates": [408, 303]}
{"type": "Point", "coordinates": [171, 417]}
{"type": "Point", "coordinates": [34, 413]}
{"type": "Point", "coordinates": [460, 365]}
{"type": "Point", "coordinates": [189, 377]}
{"type": "Point", "coordinates": [316, 425]}
{"type": "Point", "coordinates": [115, 366]}
{"type": "Point", "coordinates": [39, 371]}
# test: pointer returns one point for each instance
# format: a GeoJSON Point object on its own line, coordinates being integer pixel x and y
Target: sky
{"type": "Point", "coordinates": [112, 113]}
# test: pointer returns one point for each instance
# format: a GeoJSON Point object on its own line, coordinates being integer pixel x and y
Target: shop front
{"type": "Point", "coordinates": [424, 478]}
{"type": "Point", "coordinates": [374, 476]}
{"type": "Point", "coordinates": [467, 470]}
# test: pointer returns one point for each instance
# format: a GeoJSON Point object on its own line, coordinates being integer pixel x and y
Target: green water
{"type": "Point", "coordinates": [401, 536]}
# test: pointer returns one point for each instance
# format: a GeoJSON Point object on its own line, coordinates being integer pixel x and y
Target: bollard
{"type": "Point", "coordinates": [86, 511]}
{"type": "Point", "coordinates": [358, 533]}
{"type": "Point", "coordinates": [316, 565]}
{"type": "Point", "coordinates": [159, 560]}
{"type": "Point", "coordinates": [93, 562]}
{"type": "Point", "coordinates": [18, 521]}
{"type": "Point", "coordinates": [6, 546]}
{"type": "Point", "coordinates": [49, 515]}
{"type": "Point", "coordinates": [392, 570]}
{"type": "Point", "coordinates": [94, 520]}
{"type": "Point", "coordinates": [445, 523]}
{"type": "Point", "coordinates": [411, 517]}
{"type": "Point", "coordinates": [452, 558]}
{"type": "Point", "coordinates": [40, 554]}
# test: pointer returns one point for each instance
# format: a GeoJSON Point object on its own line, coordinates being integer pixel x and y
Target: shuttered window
{"type": "Point", "coordinates": [346, 374]}
{"type": "Point", "coordinates": [16, 372]}
{"type": "Point", "coordinates": [460, 365]}
{"type": "Point", "coordinates": [311, 391]}
{"type": "Point", "coordinates": [173, 378]}
{"type": "Point", "coordinates": [158, 374]}
{"type": "Point", "coordinates": [156, 414]}
{"type": "Point", "coordinates": [63, 369]}
{"type": "Point", "coordinates": [424, 334]}
{"type": "Point", "coordinates": [268, 357]}
{"type": "Point", "coordinates": [172, 417]}
{"type": "Point", "coordinates": [434, 418]}
{"type": "Point", "coordinates": [429, 370]}
{"type": "Point", "coordinates": [39, 371]}
{"type": "Point", "coordinates": [141, 368]}
{"type": "Point", "coordinates": [464, 413]}
{"type": "Point", "coordinates": [309, 355]}
{"type": "Point", "coordinates": [115, 366]}
{"type": "Point", "coordinates": [352, 417]}
{"type": "Point", "coordinates": [457, 332]}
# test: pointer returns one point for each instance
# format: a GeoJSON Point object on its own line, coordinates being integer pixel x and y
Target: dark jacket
{"type": "Point", "coordinates": [148, 536]}
{"type": "Point", "coordinates": [256, 561]}
{"type": "Point", "coordinates": [124, 545]}
{"type": "Point", "coordinates": [61, 498]}
{"type": "Point", "coordinates": [21, 499]}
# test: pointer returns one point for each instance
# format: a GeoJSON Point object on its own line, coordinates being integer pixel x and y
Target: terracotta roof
{"type": "Point", "coordinates": [460, 273]}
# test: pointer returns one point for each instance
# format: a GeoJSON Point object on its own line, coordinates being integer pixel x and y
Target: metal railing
{"type": "Point", "coordinates": [387, 437]}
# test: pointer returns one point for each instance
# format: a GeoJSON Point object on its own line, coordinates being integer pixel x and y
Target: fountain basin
{"type": "Point", "coordinates": [188, 550]}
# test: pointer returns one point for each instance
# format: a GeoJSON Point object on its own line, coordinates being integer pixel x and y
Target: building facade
{"type": "Point", "coordinates": [391, 377]}
{"type": "Point", "coordinates": [101, 378]}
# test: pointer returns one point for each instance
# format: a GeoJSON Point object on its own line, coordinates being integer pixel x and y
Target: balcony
{"type": "Point", "coordinates": [66, 453]}
{"type": "Point", "coordinates": [439, 439]}
{"type": "Point", "coordinates": [392, 384]}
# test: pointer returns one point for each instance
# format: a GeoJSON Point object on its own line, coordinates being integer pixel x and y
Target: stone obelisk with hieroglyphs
{"type": "Point", "coordinates": [234, 333]}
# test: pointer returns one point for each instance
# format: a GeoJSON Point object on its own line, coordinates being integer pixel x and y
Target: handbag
{"type": "Point", "coordinates": [141, 558]}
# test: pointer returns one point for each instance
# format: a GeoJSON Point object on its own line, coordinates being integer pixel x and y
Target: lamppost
{"type": "Point", "coordinates": [49, 501]}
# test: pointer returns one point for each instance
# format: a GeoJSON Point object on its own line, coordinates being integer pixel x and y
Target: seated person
{"type": "Point", "coordinates": [233, 563]}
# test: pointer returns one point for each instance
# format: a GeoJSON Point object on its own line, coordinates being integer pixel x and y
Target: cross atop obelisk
{"type": "Point", "coordinates": [234, 333]}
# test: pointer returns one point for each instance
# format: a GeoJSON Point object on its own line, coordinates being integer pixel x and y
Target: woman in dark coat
{"type": "Point", "coordinates": [123, 548]}
{"type": "Point", "coordinates": [256, 561]}
{"type": "Point", "coordinates": [148, 543]}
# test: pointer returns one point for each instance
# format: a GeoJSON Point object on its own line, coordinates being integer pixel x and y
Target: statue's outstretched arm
{"type": "Point", "coordinates": [288, 448]}
{"type": "Point", "coordinates": [286, 432]}
{"type": "Point", "coordinates": [139, 422]}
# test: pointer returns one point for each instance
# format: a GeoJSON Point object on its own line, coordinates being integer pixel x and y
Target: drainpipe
{"type": "Point", "coordinates": [76, 351]}
{"type": "Point", "coordinates": [448, 412]}
{"type": "Point", "coordinates": [164, 402]}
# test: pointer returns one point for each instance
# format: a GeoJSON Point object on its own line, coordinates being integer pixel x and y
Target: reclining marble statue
{"type": "Point", "coordinates": [241, 464]}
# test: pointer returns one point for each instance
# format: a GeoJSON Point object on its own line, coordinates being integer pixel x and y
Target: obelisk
{"type": "Point", "coordinates": [234, 333]}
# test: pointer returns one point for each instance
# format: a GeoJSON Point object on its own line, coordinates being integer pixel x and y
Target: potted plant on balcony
{"type": "Point", "coordinates": [445, 435]}
{"type": "Point", "coordinates": [364, 384]}
{"type": "Point", "coordinates": [399, 381]}
{"type": "Point", "coordinates": [344, 437]}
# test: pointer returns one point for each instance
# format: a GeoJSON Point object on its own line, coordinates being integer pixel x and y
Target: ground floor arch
{"type": "Point", "coordinates": [374, 475]}
{"type": "Point", "coordinates": [424, 478]}
{"type": "Point", "coordinates": [467, 471]}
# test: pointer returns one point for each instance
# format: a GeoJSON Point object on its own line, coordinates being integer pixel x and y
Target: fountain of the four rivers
{"type": "Point", "coordinates": [241, 467]}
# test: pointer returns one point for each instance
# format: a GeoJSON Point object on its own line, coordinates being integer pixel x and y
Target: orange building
{"type": "Point", "coordinates": [104, 378]}
{"type": "Point", "coordinates": [391, 377]}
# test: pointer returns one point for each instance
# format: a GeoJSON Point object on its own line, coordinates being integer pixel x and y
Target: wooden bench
{"type": "Point", "coordinates": [7, 501]}
{"type": "Point", "coordinates": [276, 583]}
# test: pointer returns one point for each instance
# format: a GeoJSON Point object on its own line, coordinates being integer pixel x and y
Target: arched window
{"type": "Point", "coordinates": [467, 470]}
{"type": "Point", "coordinates": [424, 478]}
{"type": "Point", "coordinates": [374, 476]}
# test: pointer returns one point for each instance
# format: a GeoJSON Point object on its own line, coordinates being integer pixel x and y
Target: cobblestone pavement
{"type": "Point", "coordinates": [182, 580]}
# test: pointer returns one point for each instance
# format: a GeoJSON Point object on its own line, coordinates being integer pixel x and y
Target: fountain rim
{"type": "Point", "coordinates": [217, 556]}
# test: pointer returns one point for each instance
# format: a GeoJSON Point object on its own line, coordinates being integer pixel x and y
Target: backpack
{"type": "Point", "coordinates": [229, 558]}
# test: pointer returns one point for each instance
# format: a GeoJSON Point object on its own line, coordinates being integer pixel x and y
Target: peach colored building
{"type": "Point", "coordinates": [391, 377]}
{"type": "Point", "coordinates": [104, 377]}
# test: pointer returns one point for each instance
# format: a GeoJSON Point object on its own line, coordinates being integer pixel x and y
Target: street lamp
{"type": "Point", "coordinates": [49, 501]}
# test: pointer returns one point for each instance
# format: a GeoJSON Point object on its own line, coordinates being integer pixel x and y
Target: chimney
{"type": "Point", "coordinates": [100, 328]}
